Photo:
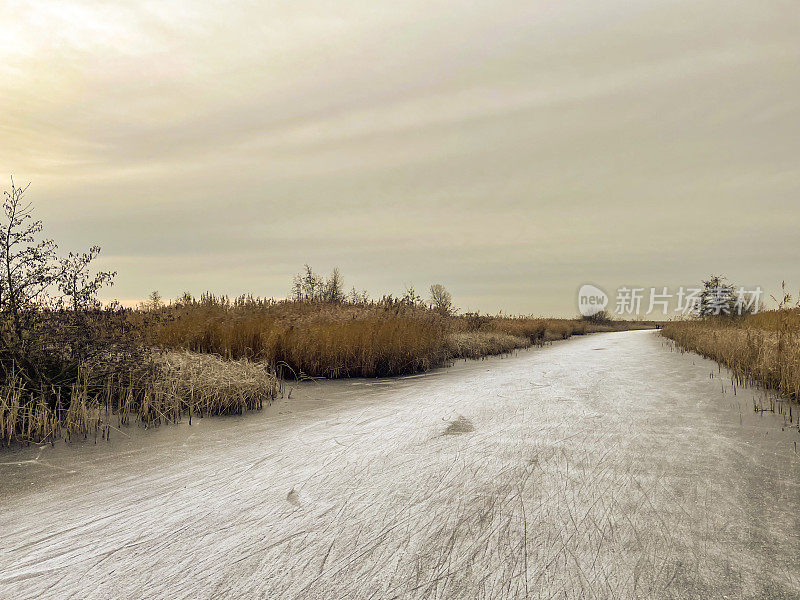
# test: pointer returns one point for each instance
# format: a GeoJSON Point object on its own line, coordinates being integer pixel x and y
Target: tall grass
{"type": "Point", "coordinates": [367, 339]}
{"type": "Point", "coordinates": [317, 339]}
{"type": "Point", "coordinates": [476, 344]}
{"type": "Point", "coordinates": [539, 330]}
{"type": "Point", "coordinates": [762, 348]}
{"type": "Point", "coordinates": [174, 385]}
{"type": "Point", "coordinates": [214, 355]}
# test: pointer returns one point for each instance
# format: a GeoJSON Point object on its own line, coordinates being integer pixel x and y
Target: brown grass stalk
{"type": "Point", "coordinates": [179, 384]}
{"type": "Point", "coordinates": [762, 348]}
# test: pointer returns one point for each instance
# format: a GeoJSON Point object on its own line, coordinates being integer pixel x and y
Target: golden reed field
{"type": "Point", "coordinates": [365, 339]}
{"type": "Point", "coordinates": [213, 356]}
{"type": "Point", "coordinates": [164, 388]}
{"type": "Point", "coordinates": [763, 348]}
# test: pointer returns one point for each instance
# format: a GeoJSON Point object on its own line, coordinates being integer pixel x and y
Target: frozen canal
{"type": "Point", "coordinates": [601, 467]}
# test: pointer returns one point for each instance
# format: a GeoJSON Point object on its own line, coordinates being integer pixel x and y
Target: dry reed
{"type": "Point", "coordinates": [762, 348]}
{"type": "Point", "coordinates": [176, 384]}
{"type": "Point", "coordinates": [325, 339]}
{"type": "Point", "coordinates": [475, 344]}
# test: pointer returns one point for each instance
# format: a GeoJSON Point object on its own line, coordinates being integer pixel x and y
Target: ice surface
{"type": "Point", "coordinates": [605, 466]}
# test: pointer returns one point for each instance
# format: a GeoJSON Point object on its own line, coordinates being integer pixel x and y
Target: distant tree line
{"type": "Point", "coordinates": [308, 286]}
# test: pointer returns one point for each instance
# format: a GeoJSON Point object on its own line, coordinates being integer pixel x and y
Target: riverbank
{"type": "Point", "coordinates": [168, 387]}
{"type": "Point", "coordinates": [763, 348]}
{"type": "Point", "coordinates": [361, 480]}
{"type": "Point", "coordinates": [215, 356]}
{"type": "Point", "coordinates": [350, 339]}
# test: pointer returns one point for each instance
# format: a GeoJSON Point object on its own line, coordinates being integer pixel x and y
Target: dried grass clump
{"type": "Point", "coordinates": [475, 344]}
{"type": "Point", "coordinates": [208, 385]}
{"type": "Point", "coordinates": [762, 348]}
{"type": "Point", "coordinates": [170, 386]}
{"type": "Point", "coordinates": [539, 330]}
{"type": "Point", "coordinates": [23, 418]}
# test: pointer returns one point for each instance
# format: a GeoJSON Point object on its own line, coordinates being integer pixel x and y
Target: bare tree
{"type": "Point", "coordinates": [154, 300]}
{"type": "Point", "coordinates": [356, 297]}
{"type": "Point", "coordinates": [334, 287]}
{"type": "Point", "coordinates": [28, 265]}
{"type": "Point", "coordinates": [441, 299]}
{"type": "Point", "coordinates": [307, 285]}
{"type": "Point", "coordinates": [602, 317]}
{"type": "Point", "coordinates": [310, 287]}
{"type": "Point", "coordinates": [40, 341]}
{"type": "Point", "coordinates": [411, 297]}
{"type": "Point", "coordinates": [296, 293]}
{"type": "Point", "coordinates": [78, 285]}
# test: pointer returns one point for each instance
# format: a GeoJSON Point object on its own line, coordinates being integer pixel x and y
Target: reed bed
{"type": "Point", "coordinates": [315, 339]}
{"type": "Point", "coordinates": [216, 356]}
{"type": "Point", "coordinates": [542, 330]}
{"type": "Point", "coordinates": [172, 385]}
{"type": "Point", "coordinates": [213, 356]}
{"type": "Point", "coordinates": [476, 344]}
{"type": "Point", "coordinates": [759, 349]}
{"type": "Point", "coordinates": [367, 339]}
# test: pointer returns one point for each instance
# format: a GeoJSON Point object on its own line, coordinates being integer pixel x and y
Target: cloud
{"type": "Point", "coordinates": [522, 144]}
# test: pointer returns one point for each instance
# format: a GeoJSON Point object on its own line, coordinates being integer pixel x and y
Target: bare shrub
{"type": "Point", "coordinates": [50, 319]}
{"type": "Point", "coordinates": [441, 300]}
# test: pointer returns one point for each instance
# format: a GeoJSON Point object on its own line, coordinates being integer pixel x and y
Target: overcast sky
{"type": "Point", "coordinates": [510, 150]}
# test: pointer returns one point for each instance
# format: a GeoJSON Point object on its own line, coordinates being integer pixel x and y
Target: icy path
{"type": "Point", "coordinates": [600, 467]}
